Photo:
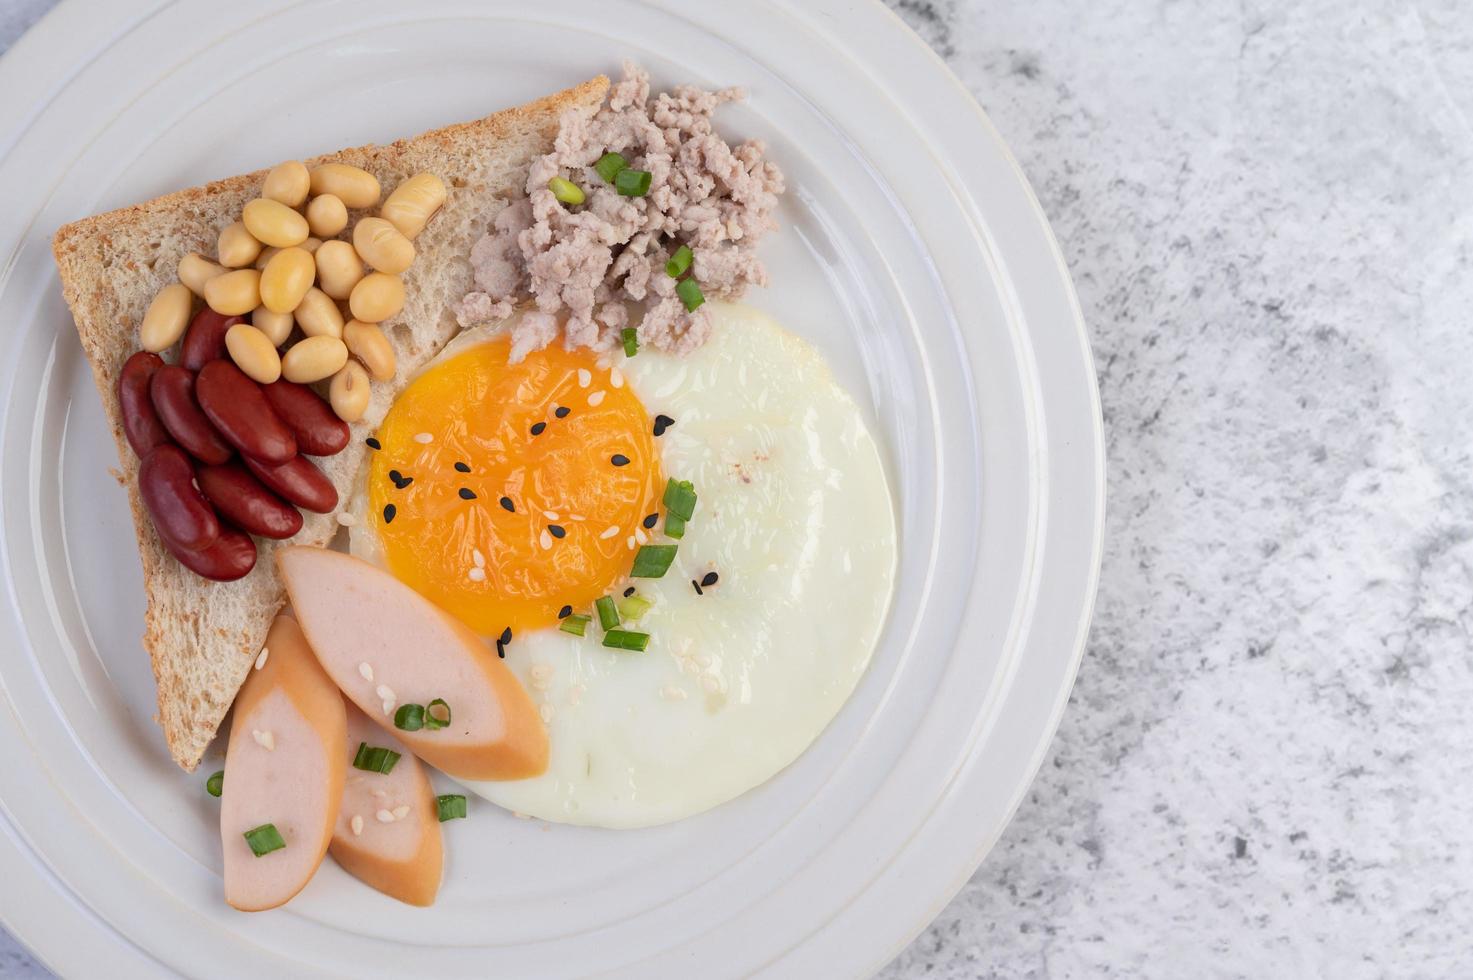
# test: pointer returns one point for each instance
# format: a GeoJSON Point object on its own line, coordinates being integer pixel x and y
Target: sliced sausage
{"type": "Point", "coordinates": [318, 430]}
{"type": "Point", "coordinates": [246, 503]}
{"type": "Point", "coordinates": [404, 856]}
{"type": "Point", "coordinates": [232, 556]}
{"type": "Point", "coordinates": [284, 767]}
{"type": "Point", "coordinates": [356, 613]}
{"type": "Point", "coordinates": [235, 406]}
{"type": "Point", "coordinates": [172, 394]}
{"type": "Point", "coordinates": [140, 421]}
{"type": "Point", "coordinates": [299, 482]}
{"type": "Point", "coordinates": [204, 341]}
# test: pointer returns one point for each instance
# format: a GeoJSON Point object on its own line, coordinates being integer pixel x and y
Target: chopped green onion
{"type": "Point", "coordinates": [437, 714]}
{"type": "Point", "coordinates": [264, 839]}
{"type": "Point", "coordinates": [410, 717]}
{"type": "Point", "coordinates": [633, 183]}
{"type": "Point", "coordinates": [566, 191]}
{"type": "Point", "coordinates": [451, 806]}
{"type": "Point", "coordinates": [610, 165]}
{"type": "Point", "coordinates": [631, 341]}
{"type": "Point", "coordinates": [626, 640]}
{"type": "Point", "coordinates": [679, 262]}
{"type": "Point", "coordinates": [674, 525]}
{"type": "Point", "coordinates": [574, 624]}
{"type": "Point", "coordinates": [608, 616]}
{"type": "Point", "coordinates": [680, 498]}
{"type": "Point", "coordinates": [215, 785]}
{"type": "Point", "coordinates": [652, 560]}
{"type": "Point", "coordinates": [374, 758]}
{"type": "Point", "coordinates": [633, 607]}
{"type": "Point", "coordinates": [690, 294]}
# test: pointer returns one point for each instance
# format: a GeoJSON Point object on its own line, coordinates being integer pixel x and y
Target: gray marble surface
{"type": "Point", "coordinates": [1265, 767]}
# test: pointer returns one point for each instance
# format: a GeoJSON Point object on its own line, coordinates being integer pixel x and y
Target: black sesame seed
{"type": "Point", "coordinates": [562, 411]}
{"type": "Point", "coordinates": [555, 530]}
{"type": "Point", "coordinates": [650, 520]}
{"type": "Point", "coordinates": [697, 586]}
{"type": "Point", "coordinates": [505, 636]}
{"type": "Point", "coordinates": [395, 475]}
{"type": "Point", "coordinates": [709, 579]}
{"type": "Point", "coordinates": [537, 429]}
{"type": "Point", "coordinates": [466, 493]}
{"type": "Point", "coordinates": [373, 443]}
{"type": "Point", "coordinates": [619, 459]}
{"type": "Point", "coordinates": [500, 650]}
{"type": "Point", "coordinates": [507, 505]}
{"type": "Point", "coordinates": [405, 482]}
{"type": "Point", "coordinates": [461, 467]}
{"type": "Point", "coordinates": [565, 612]}
{"type": "Point", "coordinates": [629, 592]}
{"type": "Point", "coordinates": [389, 511]}
{"type": "Point", "coordinates": [662, 422]}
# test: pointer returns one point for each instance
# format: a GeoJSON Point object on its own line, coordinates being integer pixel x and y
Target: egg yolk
{"type": "Point", "coordinates": [503, 492]}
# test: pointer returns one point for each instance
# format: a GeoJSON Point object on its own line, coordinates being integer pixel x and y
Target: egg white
{"type": "Point", "coordinates": [795, 517]}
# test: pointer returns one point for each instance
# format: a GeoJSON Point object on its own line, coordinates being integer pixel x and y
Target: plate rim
{"type": "Point", "coordinates": [24, 68]}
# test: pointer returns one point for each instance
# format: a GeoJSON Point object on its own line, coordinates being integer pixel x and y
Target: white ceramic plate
{"type": "Point", "coordinates": [913, 254]}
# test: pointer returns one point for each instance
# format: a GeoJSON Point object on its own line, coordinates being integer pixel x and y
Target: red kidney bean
{"type": "Point", "coordinates": [298, 481]}
{"type": "Point", "coordinates": [172, 394]}
{"type": "Point", "coordinates": [234, 403]}
{"type": "Point", "coordinates": [205, 340]}
{"type": "Point", "coordinates": [318, 429]}
{"type": "Point", "coordinates": [180, 512]}
{"type": "Point", "coordinates": [140, 421]}
{"type": "Point", "coordinates": [244, 501]}
{"type": "Point", "coordinates": [229, 558]}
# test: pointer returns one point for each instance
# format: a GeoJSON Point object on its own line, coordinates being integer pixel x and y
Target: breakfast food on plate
{"type": "Point", "coordinates": [590, 580]}
{"type": "Point", "coordinates": [678, 642]}
{"type": "Point", "coordinates": [287, 761]}
{"type": "Point", "coordinates": [413, 668]}
{"type": "Point", "coordinates": [639, 188]}
{"type": "Point", "coordinates": [387, 833]}
{"type": "Point", "coordinates": [202, 636]}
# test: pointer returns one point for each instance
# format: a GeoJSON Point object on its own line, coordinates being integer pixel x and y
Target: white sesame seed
{"type": "Point", "coordinates": [357, 824]}
{"type": "Point", "coordinates": [520, 815]}
{"type": "Point", "coordinates": [672, 693]}
{"type": "Point", "coordinates": [542, 672]}
{"type": "Point", "coordinates": [365, 671]}
{"type": "Point", "coordinates": [384, 816]}
{"type": "Point", "coordinates": [401, 811]}
{"type": "Point", "coordinates": [710, 684]}
{"type": "Point", "coordinates": [478, 558]}
{"type": "Point", "coordinates": [386, 692]}
{"type": "Point", "coordinates": [388, 707]}
{"type": "Point", "coordinates": [476, 574]}
{"type": "Point", "coordinates": [551, 515]}
{"type": "Point", "coordinates": [616, 378]}
{"type": "Point", "coordinates": [346, 519]}
{"type": "Point", "coordinates": [265, 740]}
{"type": "Point", "coordinates": [424, 438]}
{"type": "Point", "coordinates": [640, 536]}
{"type": "Point", "coordinates": [584, 378]}
{"type": "Point", "coordinates": [603, 363]}
{"type": "Point", "coordinates": [576, 517]}
{"type": "Point", "coordinates": [609, 532]}
{"type": "Point", "coordinates": [597, 398]}
{"type": "Point", "coordinates": [629, 542]}
{"type": "Point", "coordinates": [545, 539]}
{"type": "Point", "coordinates": [261, 658]}
{"type": "Point", "coordinates": [703, 660]}
{"type": "Point", "coordinates": [546, 712]}
{"type": "Point", "coordinates": [380, 794]}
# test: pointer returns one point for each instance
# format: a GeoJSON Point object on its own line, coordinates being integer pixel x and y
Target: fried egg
{"type": "Point", "coordinates": [746, 661]}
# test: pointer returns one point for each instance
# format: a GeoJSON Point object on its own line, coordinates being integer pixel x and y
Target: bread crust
{"type": "Point", "coordinates": [202, 637]}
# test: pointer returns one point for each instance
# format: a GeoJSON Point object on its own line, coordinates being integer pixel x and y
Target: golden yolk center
{"type": "Point", "coordinates": [504, 492]}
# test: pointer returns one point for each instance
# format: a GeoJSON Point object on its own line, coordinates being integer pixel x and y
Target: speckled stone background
{"type": "Point", "coordinates": [1266, 769]}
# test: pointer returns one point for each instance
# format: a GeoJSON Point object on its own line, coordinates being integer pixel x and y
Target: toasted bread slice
{"type": "Point", "coordinates": [202, 636]}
